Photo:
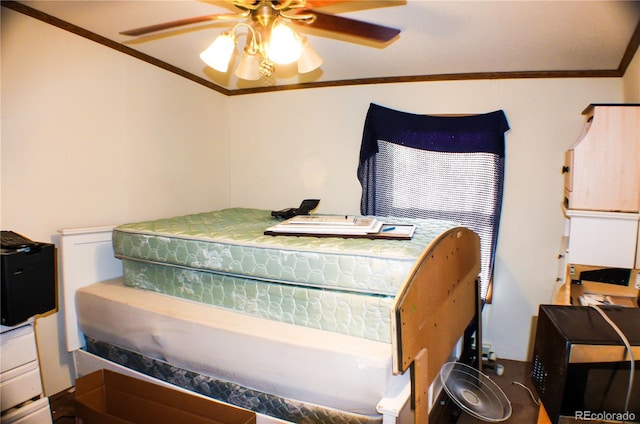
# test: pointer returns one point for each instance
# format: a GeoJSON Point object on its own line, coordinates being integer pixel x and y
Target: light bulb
{"type": "Point", "coordinates": [284, 46]}
{"type": "Point", "coordinates": [218, 54]}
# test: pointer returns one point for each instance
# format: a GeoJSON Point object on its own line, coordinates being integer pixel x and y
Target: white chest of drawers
{"type": "Point", "coordinates": [21, 394]}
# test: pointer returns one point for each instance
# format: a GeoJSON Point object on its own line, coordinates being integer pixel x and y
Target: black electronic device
{"type": "Point", "coordinates": [28, 278]}
{"type": "Point", "coordinates": [618, 276]}
{"type": "Point", "coordinates": [14, 241]}
{"type": "Point", "coordinates": [579, 365]}
{"type": "Point", "coordinates": [305, 207]}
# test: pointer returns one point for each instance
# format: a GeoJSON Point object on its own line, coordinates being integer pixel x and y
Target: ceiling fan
{"type": "Point", "coordinates": [267, 24]}
{"type": "Point", "coordinates": [264, 11]}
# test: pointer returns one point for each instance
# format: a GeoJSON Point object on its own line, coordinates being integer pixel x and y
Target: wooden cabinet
{"type": "Point", "coordinates": [602, 198]}
{"type": "Point", "coordinates": [21, 394]}
{"type": "Point", "coordinates": [602, 169]}
{"type": "Point", "coordinates": [602, 209]}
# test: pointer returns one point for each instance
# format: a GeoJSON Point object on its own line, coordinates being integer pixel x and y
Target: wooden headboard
{"type": "Point", "coordinates": [439, 301]}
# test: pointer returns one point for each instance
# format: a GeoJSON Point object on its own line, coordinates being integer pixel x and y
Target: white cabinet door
{"type": "Point", "coordinates": [605, 239]}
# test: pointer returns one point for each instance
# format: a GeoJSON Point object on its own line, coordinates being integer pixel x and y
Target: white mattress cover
{"type": "Point", "coordinates": [310, 365]}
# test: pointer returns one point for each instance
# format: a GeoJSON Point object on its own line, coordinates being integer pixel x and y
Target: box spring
{"type": "Point", "coordinates": [305, 371]}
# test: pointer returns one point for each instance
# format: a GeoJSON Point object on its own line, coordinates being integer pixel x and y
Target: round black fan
{"type": "Point", "coordinates": [475, 392]}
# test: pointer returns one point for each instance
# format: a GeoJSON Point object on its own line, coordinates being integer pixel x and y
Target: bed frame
{"type": "Point", "coordinates": [438, 304]}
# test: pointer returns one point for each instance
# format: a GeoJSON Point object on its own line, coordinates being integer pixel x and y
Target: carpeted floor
{"type": "Point", "coordinates": [63, 408]}
{"type": "Point", "coordinates": [524, 410]}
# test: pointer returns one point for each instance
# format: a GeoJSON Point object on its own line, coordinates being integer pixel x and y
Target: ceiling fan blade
{"type": "Point", "coordinates": [183, 22]}
{"type": "Point", "coordinates": [312, 4]}
{"type": "Point", "coordinates": [334, 23]}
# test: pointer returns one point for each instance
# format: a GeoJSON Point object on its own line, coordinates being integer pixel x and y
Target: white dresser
{"type": "Point", "coordinates": [21, 395]}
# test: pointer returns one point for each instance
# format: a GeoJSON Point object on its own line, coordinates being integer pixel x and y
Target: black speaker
{"type": "Point", "coordinates": [28, 282]}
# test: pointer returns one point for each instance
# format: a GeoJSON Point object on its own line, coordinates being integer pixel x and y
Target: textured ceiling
{"type": "Point", "coordinates": [439, 39]}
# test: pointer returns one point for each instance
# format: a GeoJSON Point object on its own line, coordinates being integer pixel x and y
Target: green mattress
{"type": "Point", "coordinates": [354, 314]}
{"type": "Point", "coordinates": [224, 259]}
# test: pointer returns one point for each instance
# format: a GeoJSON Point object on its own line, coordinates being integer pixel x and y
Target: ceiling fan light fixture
{"type": "Point", "coordinates": [309, 59]}
{"type": "Point", "coordinates": [284, 45]}
{"type": "Point", "coordinates": [270, 39]}
{"type": "Point", "coordinates": [273, 42]}
{"type": "Point", "coordinates": [218, 54]}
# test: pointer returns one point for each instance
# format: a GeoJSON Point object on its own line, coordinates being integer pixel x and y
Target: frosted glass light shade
{"type": "Point", "coordinates": [249, 67]}
{"type": "Point", "coordinates": [309, 60]}
{"type": "Point", "coordinates": [218, 54]}
{"type": "Point", "coordinates": [284, 47]}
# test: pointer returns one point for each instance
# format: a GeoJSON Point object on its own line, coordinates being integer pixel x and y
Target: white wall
{"type": "Point", "coordinates": [91, 137]}
{"type": "Point", "coordinates": [632, 80]}
{"type": "Point", "coordinates": [313, 152]}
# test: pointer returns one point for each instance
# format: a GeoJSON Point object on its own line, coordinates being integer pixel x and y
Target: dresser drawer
{"type": "Point", "coordinates": [36, 412]}
{"type": "Point", "coordinates": [605, 239]}
{"type": "Point", "coordinates": [18, 348]}
{"type": "Point", "coordinates": [19, 385]}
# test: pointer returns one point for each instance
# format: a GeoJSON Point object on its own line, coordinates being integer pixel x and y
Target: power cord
{"type": "Point", "coordinates": [628, 346]}
{"type": "Point", "coordinates": [533, 398]}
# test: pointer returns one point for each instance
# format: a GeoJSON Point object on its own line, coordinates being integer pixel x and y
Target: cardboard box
{"type": "Point", "coordinates": [107, 397]}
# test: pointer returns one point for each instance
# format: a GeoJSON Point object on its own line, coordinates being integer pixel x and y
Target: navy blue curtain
{"type": "Point", "coordinates": [438, 167]}
{"type": "Point", "coordinates": [469, 133]}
